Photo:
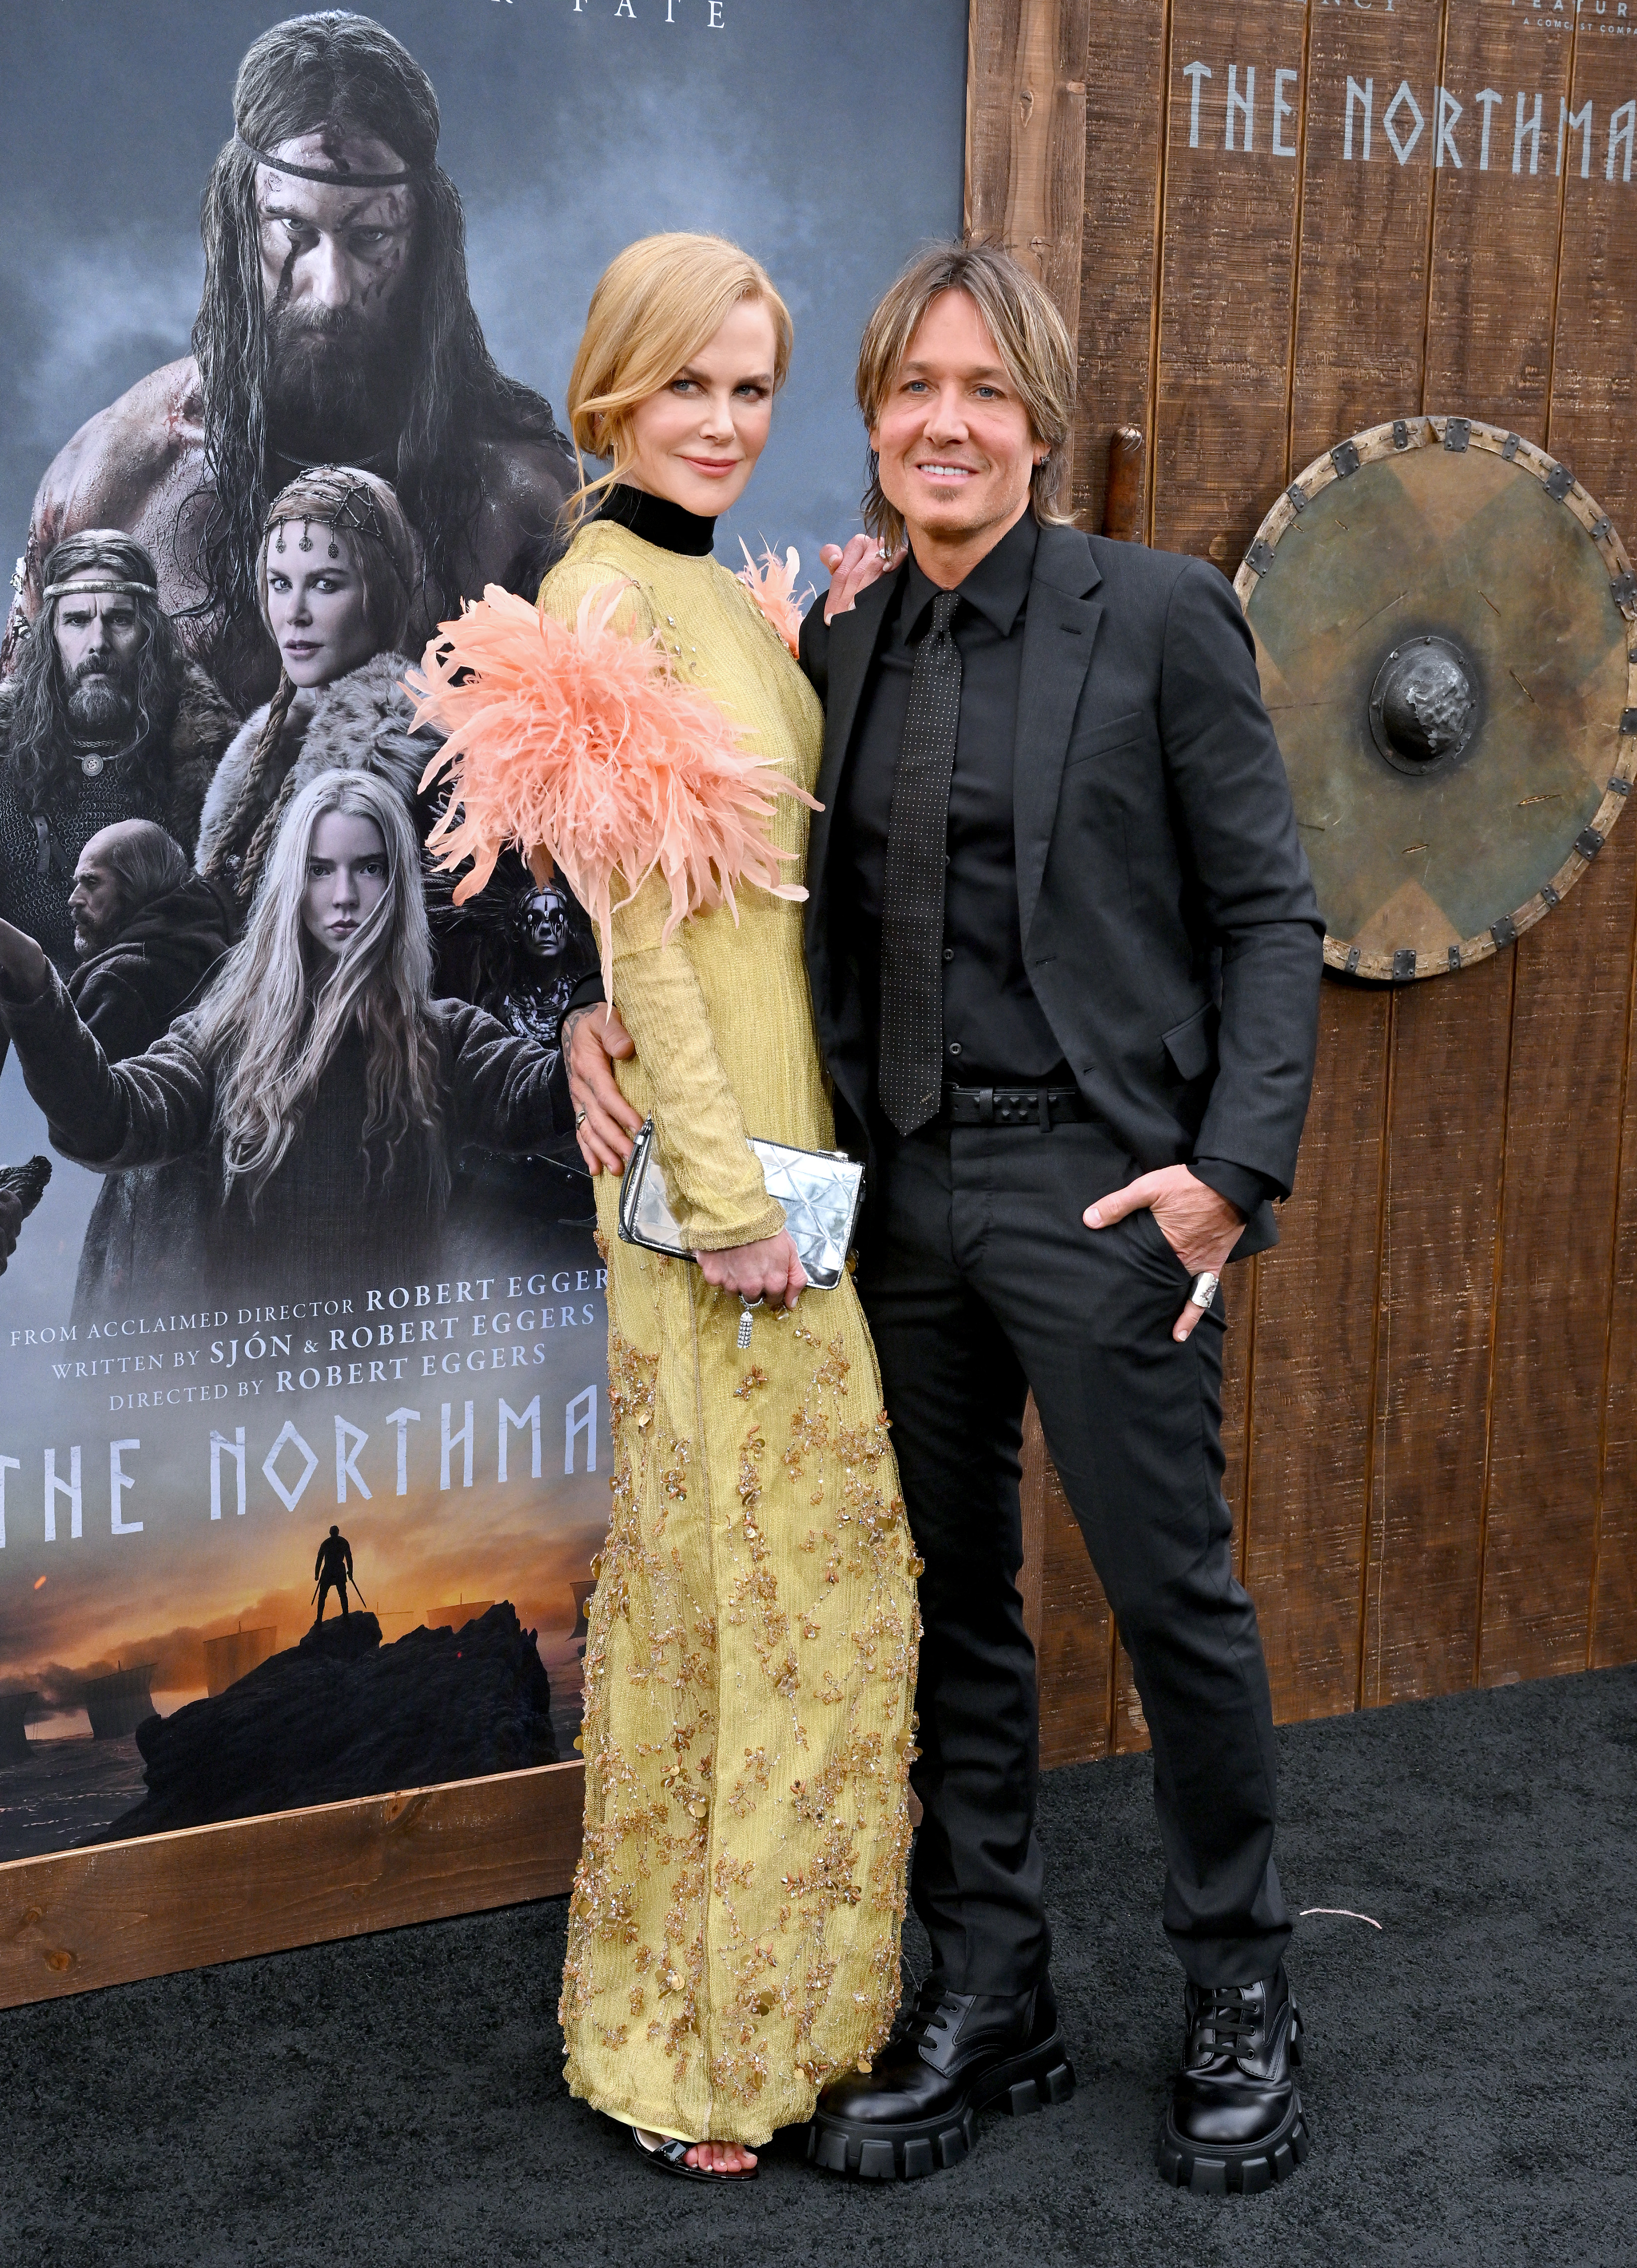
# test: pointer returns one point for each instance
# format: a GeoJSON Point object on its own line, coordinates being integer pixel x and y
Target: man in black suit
{"type": "Point", "coordinates": [1064, 958]}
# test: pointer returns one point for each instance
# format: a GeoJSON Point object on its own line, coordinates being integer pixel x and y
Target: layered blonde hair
{"type": "Point", "coordinates": [279, 1011]}
{"type": "Point", "coordinates": [1031, 339]}
{"type": "Point", "coordinates": [656, 305]}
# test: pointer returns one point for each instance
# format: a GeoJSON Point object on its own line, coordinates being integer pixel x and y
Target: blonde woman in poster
{"type": "Point", "coordinates": [324, 1087]}
{"type": "Point", "coordinates": [735, 1926]}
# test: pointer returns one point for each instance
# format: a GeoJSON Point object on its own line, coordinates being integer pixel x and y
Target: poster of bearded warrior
{"type": "Point", "coordinates": [103, 719]}
{"type": "Point", "coordinates": [301, 1236]}
{"type": "Point", "coordinates": [335, 326]}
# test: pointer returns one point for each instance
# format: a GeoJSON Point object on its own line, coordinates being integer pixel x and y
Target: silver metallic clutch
{"type": "Point", "coordinates": [819, 1190]}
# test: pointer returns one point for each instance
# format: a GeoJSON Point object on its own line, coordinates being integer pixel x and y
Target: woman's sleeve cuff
{"type": "Point", "coordinates": [751, 1231]}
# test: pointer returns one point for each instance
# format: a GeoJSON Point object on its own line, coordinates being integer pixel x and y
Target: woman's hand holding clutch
{"type": "Point", "coordinates": [766, 1269]}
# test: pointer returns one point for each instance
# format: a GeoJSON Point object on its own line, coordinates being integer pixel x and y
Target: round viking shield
{"type": "Point", "coordinates": [1444, 626]}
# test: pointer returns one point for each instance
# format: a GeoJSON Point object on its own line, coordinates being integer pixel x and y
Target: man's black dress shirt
{"type": "Point", "coordinates": [995, 1031]}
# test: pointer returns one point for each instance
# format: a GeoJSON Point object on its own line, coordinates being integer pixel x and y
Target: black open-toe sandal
{"type": "Point", "coordinates": [670, 2156]}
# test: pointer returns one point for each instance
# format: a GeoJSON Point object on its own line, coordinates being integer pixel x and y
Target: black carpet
{"type": "Point", "coordinates": [1471, 2067]}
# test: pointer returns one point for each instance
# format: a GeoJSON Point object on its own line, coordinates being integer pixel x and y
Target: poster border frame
{"type": "Point", "coordinates": [72, 1921]}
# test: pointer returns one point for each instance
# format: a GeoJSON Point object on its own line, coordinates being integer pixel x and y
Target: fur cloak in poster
{"type": "Point", "coordinates": [360, 723]}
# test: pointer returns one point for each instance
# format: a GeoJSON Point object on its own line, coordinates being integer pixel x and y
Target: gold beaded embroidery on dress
{"type": "Point", "coordinates": [750, 1671]}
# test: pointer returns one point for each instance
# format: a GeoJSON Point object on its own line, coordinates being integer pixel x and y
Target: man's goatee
{"type": "Point", "coordinates": [99, 707]}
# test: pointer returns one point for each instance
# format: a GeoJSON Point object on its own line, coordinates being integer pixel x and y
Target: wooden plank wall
{"type": "Point", "coordinates": [1299, 219]}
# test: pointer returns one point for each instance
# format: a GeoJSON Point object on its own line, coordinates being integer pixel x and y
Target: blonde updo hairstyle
{"type": "Point", "coordinates": [656, 305]}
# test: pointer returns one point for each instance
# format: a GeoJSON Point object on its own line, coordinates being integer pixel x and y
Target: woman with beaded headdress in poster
{"type": "Point", "coordinates": [749, 1669]}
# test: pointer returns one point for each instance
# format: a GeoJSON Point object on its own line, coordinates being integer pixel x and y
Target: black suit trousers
{"type": "Point", "coordinates": [980, 1280]}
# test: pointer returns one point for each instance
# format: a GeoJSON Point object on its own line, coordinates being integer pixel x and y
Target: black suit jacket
{"type": "Point", "coordinates": [1170, 926]}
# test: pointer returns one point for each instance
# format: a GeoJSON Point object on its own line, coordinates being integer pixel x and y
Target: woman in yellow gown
{"type": "Point", "coordinates": [749, 1672]}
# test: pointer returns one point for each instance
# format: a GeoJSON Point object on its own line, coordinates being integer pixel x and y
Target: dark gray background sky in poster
{"type": "Point", "coordinates": [824, 135]}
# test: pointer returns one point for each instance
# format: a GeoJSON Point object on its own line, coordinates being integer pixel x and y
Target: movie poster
{"type": "Point", "coordinates": [301, 1478]}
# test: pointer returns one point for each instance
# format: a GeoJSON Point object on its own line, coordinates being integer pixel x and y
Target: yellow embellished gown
{"type": "Point", "coordinates": [750, 1667]}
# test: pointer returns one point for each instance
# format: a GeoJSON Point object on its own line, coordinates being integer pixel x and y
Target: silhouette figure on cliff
{"type": "Point", "coordinates": [332, 1570]}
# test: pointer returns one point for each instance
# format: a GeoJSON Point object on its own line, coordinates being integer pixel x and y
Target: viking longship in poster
{"type": "Point", "coordinates": [304, 1447]}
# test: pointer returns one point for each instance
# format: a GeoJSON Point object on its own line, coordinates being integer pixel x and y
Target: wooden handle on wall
{"type": "Point", "coordinates": [1122, 502]}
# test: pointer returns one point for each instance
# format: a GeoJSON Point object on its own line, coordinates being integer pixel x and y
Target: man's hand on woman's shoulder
{"type": "Point", "coordinates": [605, 1125]}
{"type": "Point", "coordinates": [854, 566]}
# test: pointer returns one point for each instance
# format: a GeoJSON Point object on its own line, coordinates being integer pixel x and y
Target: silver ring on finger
{"type": "Point", "coordinates": [579, 1120]}
{"type": "Point", "coordinates": [1204, 1289]}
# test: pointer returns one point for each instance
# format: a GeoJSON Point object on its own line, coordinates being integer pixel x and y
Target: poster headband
{"type": "Point", "coordinates": [332, 179]}
{"type": "Point", "coordinates": [117, 589]}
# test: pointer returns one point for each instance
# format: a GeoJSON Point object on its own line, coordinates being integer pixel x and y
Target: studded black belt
{"type": "Point", "coordinates": [1012, 1105]}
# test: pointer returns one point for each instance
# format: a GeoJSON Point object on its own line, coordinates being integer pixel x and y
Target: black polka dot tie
{"type": "Point", "coordinates": [912, 895]}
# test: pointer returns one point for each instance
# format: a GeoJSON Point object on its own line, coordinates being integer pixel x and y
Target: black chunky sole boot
{"type": "Point", "coordinates": [917, 2112]}
{"type": "Point", "coordinates": [1215, 2172]}
{"type": "Point", "coordinates": [929, 2146]}
{"type": "Point", "coordinates": [1267, 2053]}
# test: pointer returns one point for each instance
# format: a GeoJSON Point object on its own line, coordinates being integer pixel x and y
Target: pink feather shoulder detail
{"type": "Point", "coordinates": [584, 742]}
{"type": "Point", "coordinates": [771, 583]}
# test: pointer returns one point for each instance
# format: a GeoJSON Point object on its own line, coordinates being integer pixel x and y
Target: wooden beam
{"type": "Point", "coordinates": [1026, 139]}
{"type": "Point", "coordinates": [1347, 204]}
{"type": "Point", "coordinates": [1125, 70]}
{"type": "Point", "coordinates": [80, 1919]}
{"type": "Point", "coordinates": [1494, 259]}
{"type": "Point", "coordinates": [1435, 1334]}
{"type": "Point", "coordinates": [1593, 380]}
{"type": "Point", "coordinates": [1315, 1371]}
{"type": "Point", "coordinates": [1562, 1175]}
{"type": "Point", "coordinates": [1219, 441]}
{"type": "Point", "coordinates": [1026, 189]}
{"type": "Point", "coordinates": [1025, 135]}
